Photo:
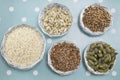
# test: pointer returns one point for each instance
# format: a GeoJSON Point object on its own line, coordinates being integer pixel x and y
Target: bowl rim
{"type": "Point", "coordinates": [17, 66]}
{"type": "Point", "coordinates": [87, 30]}
{"type": "Point", "coordinates": [41, 14]}
{"type": "Point", "coordinates": [86, 62]}
{"type": "Point", "coordinates": [50, 63]}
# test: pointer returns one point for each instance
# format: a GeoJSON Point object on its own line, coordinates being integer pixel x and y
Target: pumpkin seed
{"type": "Point", "coordinates": [99, 60]}
{"type": "Point", "coordinates": [95, 55]}
{"type": "Point", "coordinates": [96, 50]}
{"type": "Point", "coordinates": [90, 62]}
{"type": "Point", "coordinates": [100, 46]}
{"type": "Point", "coordinates": [101, 57]}
{"type": "Point", "coordinates": [108, 50]}
{"type": "Point", "coordinates": [111, 64]}
{"type": "Point", "coordinates": [90, 53]}
{"type": "Point", "coordinates": [103, 66]}
{"type": "Point", "coordinates": [91, 58]}
{"type": "Point", "coordinates": [92, 46]}
{"type": "Point", "coordinates": [104, 51]}
{"type": "Point", "coordinates": [107, 58]}
{"type": "Point", "coordinates": [102, 71]}
{"type": "Point", "coordinates": [113, 58]}
{"type": "Point", "coordinates": [113, 54]}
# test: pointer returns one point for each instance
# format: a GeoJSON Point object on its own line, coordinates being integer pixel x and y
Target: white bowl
{"type": "Point", "coordinates": [16, 66]}
{"type": "Point", "coordinates": [58, 71]}
{"type": "Point", "coordinates": [91, 69]}
{"type": "Point", "coordinates": [87, 30]}
{"type": "Point", "coordinates": [41, 14]}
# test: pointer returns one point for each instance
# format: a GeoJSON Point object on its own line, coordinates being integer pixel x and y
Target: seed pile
{"type": "Point", "coordinates": [96, 18]}
{"type": "Point", "coordinates": [56, 20]}
{"type": "Point", "coordinates": [101, 57]}
{"type": "Point", "coordinates": [65, 56]}
{"type": "Point", "coordinates": [23, 46]}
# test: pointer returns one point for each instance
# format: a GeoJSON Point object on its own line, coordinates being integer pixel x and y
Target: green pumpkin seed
{"type": "Point", "coordinates": [100, 46]}
{"type": "Point", "coordinates": [90, 53]}
{"type": "Point", "coordinates": [114, 54]}
{"type": "Point", "coordinates": [107, 58]}
{"type": "Point", "coordinates": [96, 50]}
{"type": "Point", "coordinates": [111, 65]}
{"type": "Point", "coordinates": [102, 71]}
{"type": "Point", "coordinates": [90, 50]}
{"type": "Point", "coordinates": [101, 56]}
{"type": "Point", "coordinates": [104, 51]}
{"type": "Point", "coordinates": [100, 60]}
{"type": "Point", "coordinates": [108, 50]}
{"type": "Point", "coordinates": [92, 46]}
{"type": "Point", "coordinates": [112, 50]}
{"type": "Point", "coordinates": [113, 58]}
{"type": "Point", "coordinates": [90, 62]}
{"type": "Point", "coordinates": [91, 58]}
{"type": "Point", "coordinates": [95, 55]}
{"type": "Point", "coordinates": [103, 66]}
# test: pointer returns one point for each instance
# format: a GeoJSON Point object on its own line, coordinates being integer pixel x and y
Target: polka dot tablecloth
{"type": "Point", "coordinates": [13, 12]}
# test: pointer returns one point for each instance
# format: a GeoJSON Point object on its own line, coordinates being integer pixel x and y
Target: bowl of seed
{"type": "Point", "coordinates": [23, 46]}
{"type": "Point", "coordinates": [95, 19]}
{"type": "Point", "coordinates": [100, 58]}
{"type": "Point", "coordinates": [55, 20]}
{"type": "Point", "coordinates": [64, 57]}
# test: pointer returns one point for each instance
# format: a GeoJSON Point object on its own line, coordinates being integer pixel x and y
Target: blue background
{"type": "Point", "coordinates": [26, 9]}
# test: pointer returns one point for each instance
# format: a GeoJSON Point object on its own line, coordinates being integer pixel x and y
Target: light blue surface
{"type": "Point", "coordinates": [26, 9]}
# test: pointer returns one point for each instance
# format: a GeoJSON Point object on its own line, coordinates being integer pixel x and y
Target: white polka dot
{"type": "Point", "coordinates": [114, 73]}
{"type": "Point", "coordinates": [37, 9]}
{"type": "Point", "coordinates": [50, 0]}
{"type": "Point", "coordinates": [88, 73]}
{"type": "Point", "coordinates": [49, 40]}
{"type": "Point", "coordinates": [75, 20]}
{"type": "Point", "coordinates": [75, 1]}
{"type": "Point", "coordinates": [11, 8]}
{"type": "Point", "coordinates": [24, 0]}
{"type": "Point", "coordinates": [113, 10]}
{"type": "Point", "coordinates": [35, 73]}
{"type": "Point", "coordinates": [24, 19]}
{"type": "Point", "coordinates": [9, 72]}
{"type": "Point", "coordinates": [100, 1]}
{"type": "Point", "coordinates": [113, 31]}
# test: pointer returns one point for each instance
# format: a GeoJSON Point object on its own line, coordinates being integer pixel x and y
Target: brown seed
{"type": "Point", "coordinates": [65, 56]}
{"type": "Point", "coordinates": [96, 18]}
